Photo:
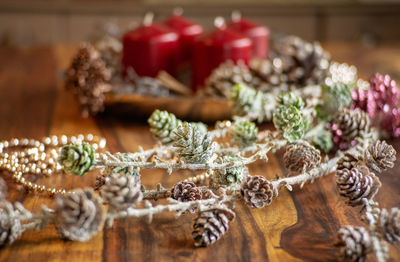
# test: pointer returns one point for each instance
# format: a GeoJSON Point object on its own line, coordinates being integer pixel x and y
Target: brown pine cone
{"type": "Point", "coordinates": [121, 191]}
{"type": "Point", "coordinates": [257, 191]}
{"type": "Point", "coordinates": [211, 224]}
{"type": "Point", "coordinates": [388, 224]}
{"type": "Point", "coordinates": [88, 77]}
{"type": "Point", "coordinates": [10, 225]}
{"type": "Point", "coordinates": [267, 74]}
{"type": "Point", "coordinates": [3, 189]}
{"type": "Point", "coordinates": [186, 191]}
{"type": "Point", "coordinates": [225, 76]}
{"type": "Point", "coordinates": [352, 124]}
{"type": "Point", "coordinates": [356, 184]}
{"type": "Point", "coordinates": [79, 214]}
{"type": "Point", "coordinates": [348, 161]}
{"type": "Point", "coordinates": [301, 157]}
{"type": "Point", "coordinates": [380, 156]}
{"type": "Point", "coordinates": [354, 244]}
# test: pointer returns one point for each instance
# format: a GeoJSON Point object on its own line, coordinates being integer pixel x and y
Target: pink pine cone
{"type": "Point", "coordinates": [391, 123]}
{"type": "Point", "coordinates": [364, 100]}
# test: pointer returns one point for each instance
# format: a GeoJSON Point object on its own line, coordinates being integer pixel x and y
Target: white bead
{"type": "Point", "coordinates": [194, 179]}
{"type": "Point", "coordinates": [81, 137]}
{"type": "Point", "coordinates": [5, 144]}
{"type": "Point", "coordinates": [64, 139]}
{"type": "Point", "coordinates": [202, 177]}
{"type": "Point", "coordinates": [15, 142]}
{"type": "Point", "coordinates": [102, 143]}
{"type": "Point", "coordinates": [25, 142]}
{"type": "Point", "coordinates": [73, 139]}
{"type": "Point", "coordinates": [89, 137]}
{"type": "Point", "coordinates": [38, 170]}
{"type": "Point", "coordinates": [47, 140]}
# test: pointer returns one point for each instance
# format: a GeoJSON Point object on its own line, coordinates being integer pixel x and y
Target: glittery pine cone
{"type": "Point", "coordinates": [357, 184]}
{"type": "Point", "coordinates": [244, 132]}
{"type": "Point", "coordinates": [301, 157]}
{"type": "Point", "coordinates": [380, 156]}
{"type": "Point", "coordinates": [388, 224]}
{"type": "Point", "coordinates": [364, 100]}
{"type": "Point", "coordinates": [257, 191]}
{"type": "Point", "coordinates": [110, 49]}
{"type": "Point", "coordinates": [230, 175]}
{"type": "Point", "coordinates": [10, 225]}
{"type": "Point", "coordinates": [391, 123]}
{"type": "Point", "coordinates": [385, 92]}
{"type": "Point", "coordinates": [186, 191]}
{"type": "Point", "coordinates": [162, 124]}
{"type": "Point", "coordinates": [347, 125]}
{"type": "Point", "coordinates": [211, 224]}
{"type": "Point", "coordinates": [225, 76]}
{"type": "Point", "coordinates": [79, 215]}
{"type": "Point", "coordinates": [121, 191]}
{"type": "Point", "coordinates": [247, 100]}
{"type": "Point", "coordinates": [88, 77]}
{"type": "Point", "coordinates": [3, 189]}
{"type": "Point", "coordinates": [348, 161]}
{"type": "Point", "coordinates": [354, 243]}
{"type": "Point", "coordinates": [77, 159]}
{"type": "Point", "coordinates": [267, 74]}
{"type": "Point", "coordinates": [290, 122]}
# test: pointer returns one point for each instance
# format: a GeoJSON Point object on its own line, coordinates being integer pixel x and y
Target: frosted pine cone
{"type": "Point", "coordinates": [301, 157]}
{"type": "Point", "coordinates": [186, 191]}
{"type": "Point", "coordinates": [385, 91]}
{"type": "Point", "coordinates": [354, 243]}
{"type": "Point", "coordinates": [347, 125]}
{"type": "Point", "coordinates": [356, 184]}
{"type": "Point", "coordinates": [162, 124]}
{"type": "Point", "coordinates": [77, 159]}
{"type": "Point", "coordinates": [380, 156]}
{"type": "Point", "coordinates": [121, 191]}
{"type": "Point", "coordinates": [364, 100]}
{"type": "Point", "coordinates": [3, 189]}
{"type": "Point", "coordinates": [211, 225]}
{"type": "Point", "coordinates": [348, 161]}
{"type": "Point", "coordinates": [79, 215]}
{"type": "Point", "coordinates": [10, 225]}
{"type": "Point", "coordinates": [257, 191]}
{"type": "Point", "coordinates": [388, 224]}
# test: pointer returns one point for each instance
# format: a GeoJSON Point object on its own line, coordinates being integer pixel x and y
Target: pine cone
{"type": "Point", "coordinates": [385, 92]}
{"type": "Point", "coordinates": [211, 224]}
{"type": "Point", "coordinates": [186, 191]}
{"type": "Point", "coordinates": [10, 225]}
{"type": "Point", "coordinates": [244, 132]}
{"type": "Point", "coordinates": [288, 98]}
{"type": "Point", "coordinates": [334, 98]}
{"type": "Point", "coordinates": [347, 125]}
{"type": "Point", "coordinates": [225, 76]}
{"type": "Point", "coordinates": [89, 77]}
{"type": "Point", "coordinates": [391, 123]}
{"type": "Point", "coordinates": [323, 140]}
{"type": "Point", "coordinates": [356, 184]}
{"type": "Point", "coordinates": [121, 191]}
{"type": "Point", "coordinates": [355, 243]}
{"type": "Point", "coordinates": [290, 122]}
{"type": "Point", "coordinates": [3, 189]}
{"type": "Point", "coordinates": [79, 215]}
{"type": "Point", "coordinates": [380, 156]}
{"type": "Point", "coordinates": [364, 100]}
{"type": "Point", "coordinates": [257, 191]}
{"type": "Point", "coordinates": [267, 74]}
{"type": "Point", "coordinates": [230, 175]}
{"type": "Point", "coordinates": [301, 157]}
{"type": "Point", "coordinates": [348, 161]}
{"type": "Point", "coordinates": [193, 144]}
{"type": "Point", "coordinates": [110, 49]}
{"type": "Point", "coordinates": [247, 100]}
{"type": "Point", "coordinates": [388, 224]}
{"type": "Point", "coordinates": [162, 124]}
{"type": "Point", "coordinates": [77, 159]}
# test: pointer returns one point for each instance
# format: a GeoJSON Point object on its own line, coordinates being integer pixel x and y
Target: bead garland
{"type": "Point", "coordinates": [30, 156]}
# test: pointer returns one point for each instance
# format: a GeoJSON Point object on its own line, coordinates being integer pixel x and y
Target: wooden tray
{"type": "Point", "coordinates": [185, 107]}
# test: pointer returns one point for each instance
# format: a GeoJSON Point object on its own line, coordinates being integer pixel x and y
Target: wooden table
{"type": "Point", "coordinates": [298, 225]}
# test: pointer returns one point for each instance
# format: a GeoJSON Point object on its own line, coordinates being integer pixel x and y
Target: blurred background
{"type": "Point", "coordinates": [38, 22]}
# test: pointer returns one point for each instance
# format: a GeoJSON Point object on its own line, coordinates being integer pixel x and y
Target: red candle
{"type": "Point", "coordinates": [258, 34]}
{"type": "Point", "coordinates": [187, 32]}
{"type": "Point", "coordinates": [215, 48]}
{"type": "Point", "coordinates": [150, 48]}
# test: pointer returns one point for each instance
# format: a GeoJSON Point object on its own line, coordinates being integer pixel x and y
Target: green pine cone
{"type": "Point", "coordinates": [162, 124]}
{"type": "Point", "coordinates": [288, 98]}
{"type": "Point", "coordinates": [193, 143]}
{"type": "Point", "coordinates": [290, 122]}
{"type": "Point", "coordinates": [231, 175]}
{"type": "Point", "coordinates": [334, 98]}
{"type": "Point", "coordinates": [77, 159]}
{"type": "Point", "coordinates": [323, 140]}
{"type": "Point", "coordinates": [246, 100]}
{"type": "Point", "coordinates": [244, 132]}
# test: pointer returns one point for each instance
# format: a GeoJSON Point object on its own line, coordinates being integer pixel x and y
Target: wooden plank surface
{"type": "Point", "coordinates": [300, 225]}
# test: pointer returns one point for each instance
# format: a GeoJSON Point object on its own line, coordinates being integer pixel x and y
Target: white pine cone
{"type": "Point", "coordinates": [211, 224]}
{"type": "Point", "coordinates": [301, 157]}
{"type": "Point", "coordinates": [380, 156]}
{"type": "Point", "coordinates": [257, 191]}
{"type": "Point", "coordinates": [10, 225]}
{"type": "Point", "coordinates": [354, 243]}
{"type": "Point", "coordinates": [79, 214]}
{"type": "Point", "coordinates": [121, 191]}
{"type": "Point", "coordinates": [388, 224]}
{"type": "Point", "coordinates": [348, 161]}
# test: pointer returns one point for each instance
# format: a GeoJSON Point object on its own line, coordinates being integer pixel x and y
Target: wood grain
{"type": "Point", "coordinates": [298, 226]}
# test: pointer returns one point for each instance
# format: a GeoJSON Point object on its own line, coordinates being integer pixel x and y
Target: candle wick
{"type": "Point", "coordinates": [236, 15]}
{"type": "Point", "coordinates": [219, 22]}
{"type": "Point", "coordinates": [178, 11]}
{"type": "Point", "coordinates": [148, 19]}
